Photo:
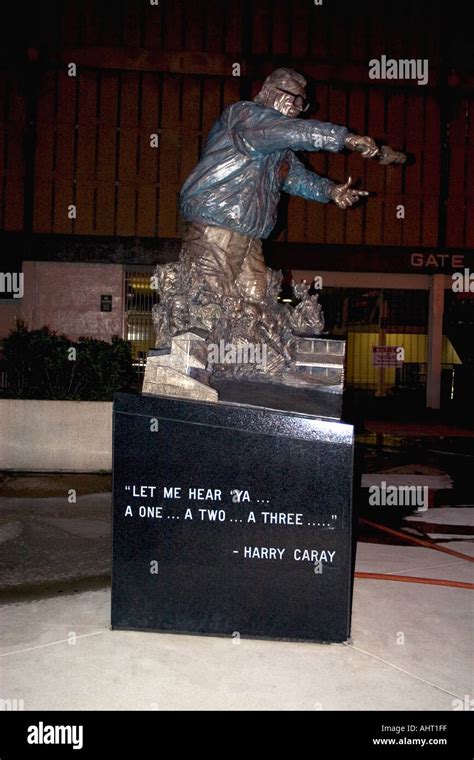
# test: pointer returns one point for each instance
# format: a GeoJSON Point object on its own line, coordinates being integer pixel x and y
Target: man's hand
{"type": "Point", "coordinates": [364, 145]}
{"type": "Point", "coordinates": [344, 196]}
{"type": "Point", "coordinates": [390, 156]}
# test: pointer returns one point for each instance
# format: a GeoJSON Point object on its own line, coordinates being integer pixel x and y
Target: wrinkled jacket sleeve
{"type": "Point", "coordinates": [280, 132]}
{"type": "Point", "coordinates": [307, 184]}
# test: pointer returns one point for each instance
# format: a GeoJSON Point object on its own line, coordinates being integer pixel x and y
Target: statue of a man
{"type": "Point", "coordinates": [230, 199]}
{"type": "Point", "coordinates": [229, 203]}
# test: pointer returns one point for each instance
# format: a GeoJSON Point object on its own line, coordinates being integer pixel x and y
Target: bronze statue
{"type": "Point", "coordinates": [220, 286]}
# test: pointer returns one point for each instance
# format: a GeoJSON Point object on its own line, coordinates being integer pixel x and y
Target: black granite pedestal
{"type": "Point", "coordinates": [231, 519]}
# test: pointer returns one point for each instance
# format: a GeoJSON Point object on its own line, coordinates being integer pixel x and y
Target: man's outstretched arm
{"type": "Point", "coordinates": [307, 184]}
{"type": "Point", "coordinates": [279, 132]}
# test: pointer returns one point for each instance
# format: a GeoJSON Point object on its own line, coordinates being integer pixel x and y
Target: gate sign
{"type": "Point", "coordinates": [387, 356]}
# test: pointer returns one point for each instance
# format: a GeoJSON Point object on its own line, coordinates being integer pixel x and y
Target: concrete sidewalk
{"type": "Point", "coordinates": [49, 540]}
{"type": "Point", "coordinates": [411, 650]}
{"type": "Point", "coordinates": [411, 644]}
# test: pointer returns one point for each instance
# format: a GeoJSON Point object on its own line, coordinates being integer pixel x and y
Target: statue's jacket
{"type": "Point", "coordinates": [248, 160]}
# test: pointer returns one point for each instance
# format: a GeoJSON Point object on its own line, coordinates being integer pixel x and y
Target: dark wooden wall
{"type": "Point", "coordinates": [167, 69]}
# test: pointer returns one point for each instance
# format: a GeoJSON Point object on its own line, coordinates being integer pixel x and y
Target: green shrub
{"type": "Point", "coordinates": [40, 364]}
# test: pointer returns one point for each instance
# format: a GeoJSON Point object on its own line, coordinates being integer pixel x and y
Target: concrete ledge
{"type": "Point", "coordinates": [56, 436]}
